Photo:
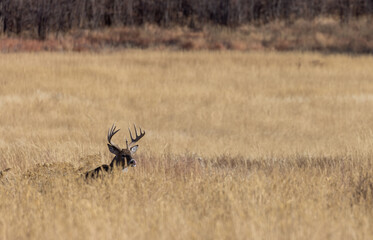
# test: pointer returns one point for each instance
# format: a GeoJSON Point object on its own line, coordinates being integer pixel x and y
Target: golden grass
{"type": "Point", "coordinates": [238, 145]}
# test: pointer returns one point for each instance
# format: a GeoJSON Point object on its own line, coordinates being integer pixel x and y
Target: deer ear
{"type": "Point", "coordinates": [113, 149]}
{"type": "Point", "coordinates": [134, 149]}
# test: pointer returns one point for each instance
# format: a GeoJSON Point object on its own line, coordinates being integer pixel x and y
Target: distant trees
{"type": "Point", "coordinates": [36, 18]}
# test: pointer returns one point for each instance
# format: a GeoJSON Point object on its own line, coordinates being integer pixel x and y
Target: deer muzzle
{"type": "Point", "coordinates": [133, 163]}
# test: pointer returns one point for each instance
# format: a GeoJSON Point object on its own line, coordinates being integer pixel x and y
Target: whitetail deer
{"type": "Point", "coordinates": [123, 157]}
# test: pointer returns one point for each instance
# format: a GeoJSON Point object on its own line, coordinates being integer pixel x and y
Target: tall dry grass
{"type": "Point", "coordinates": [237, 146]}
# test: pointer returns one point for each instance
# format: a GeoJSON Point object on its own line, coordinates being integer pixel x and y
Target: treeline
{"type": "Point", "coordinates": [39, 17]}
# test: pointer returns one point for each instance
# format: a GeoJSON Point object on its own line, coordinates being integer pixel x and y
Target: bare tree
{"type": "Point", "coordinates": [39, 17]}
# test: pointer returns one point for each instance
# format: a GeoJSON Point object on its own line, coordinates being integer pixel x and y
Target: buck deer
{"type": "Point", "coordinates": [123, 157]}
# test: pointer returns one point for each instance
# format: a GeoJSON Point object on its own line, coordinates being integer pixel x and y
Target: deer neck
{"type": "Point", "coordinates": [116, 162]}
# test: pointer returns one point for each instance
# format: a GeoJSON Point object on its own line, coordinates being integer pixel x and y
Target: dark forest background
{"type": "Point", "coordinates": [37, 18]}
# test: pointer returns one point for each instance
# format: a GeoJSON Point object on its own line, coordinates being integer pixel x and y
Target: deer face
{"type": "Point", "coordinates": [123, 157]}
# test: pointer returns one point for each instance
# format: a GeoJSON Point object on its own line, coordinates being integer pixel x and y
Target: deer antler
{"type": "Point", "coordinates": [137, 138]}
{"type": "Point", "coordinates": [110, 134]}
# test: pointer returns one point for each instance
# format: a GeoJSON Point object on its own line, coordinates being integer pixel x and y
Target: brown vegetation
{"type": "Point", "coordinates": [321, 34]}
{"type": "Point", "coordinates": [238, 145]}
{"type": "Point", "coordinates": [330, 26]}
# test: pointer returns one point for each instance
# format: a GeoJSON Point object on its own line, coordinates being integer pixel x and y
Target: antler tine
{"type": "Point", "coordinates": [134, 126]}
{"type": "Point", "coordinates": [138, 137]}
{"type": "Point", "coordinates": [129, 130]}
{"type": "Point", "coordinates": [111, 133]}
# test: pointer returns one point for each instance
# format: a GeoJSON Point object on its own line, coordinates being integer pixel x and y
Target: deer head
{"type": "Point", "coordinates": [123, 157]}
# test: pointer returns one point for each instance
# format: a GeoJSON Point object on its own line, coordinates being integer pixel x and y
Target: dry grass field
{"type": "Point", "coordinates": [237, 146]}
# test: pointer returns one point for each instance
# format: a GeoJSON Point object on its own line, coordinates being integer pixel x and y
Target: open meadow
{"type": "Point", "coordinates": [238, 145]}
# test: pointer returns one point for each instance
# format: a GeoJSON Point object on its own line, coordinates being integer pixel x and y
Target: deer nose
{"type": "Point", "coordinates": [133, 163]}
